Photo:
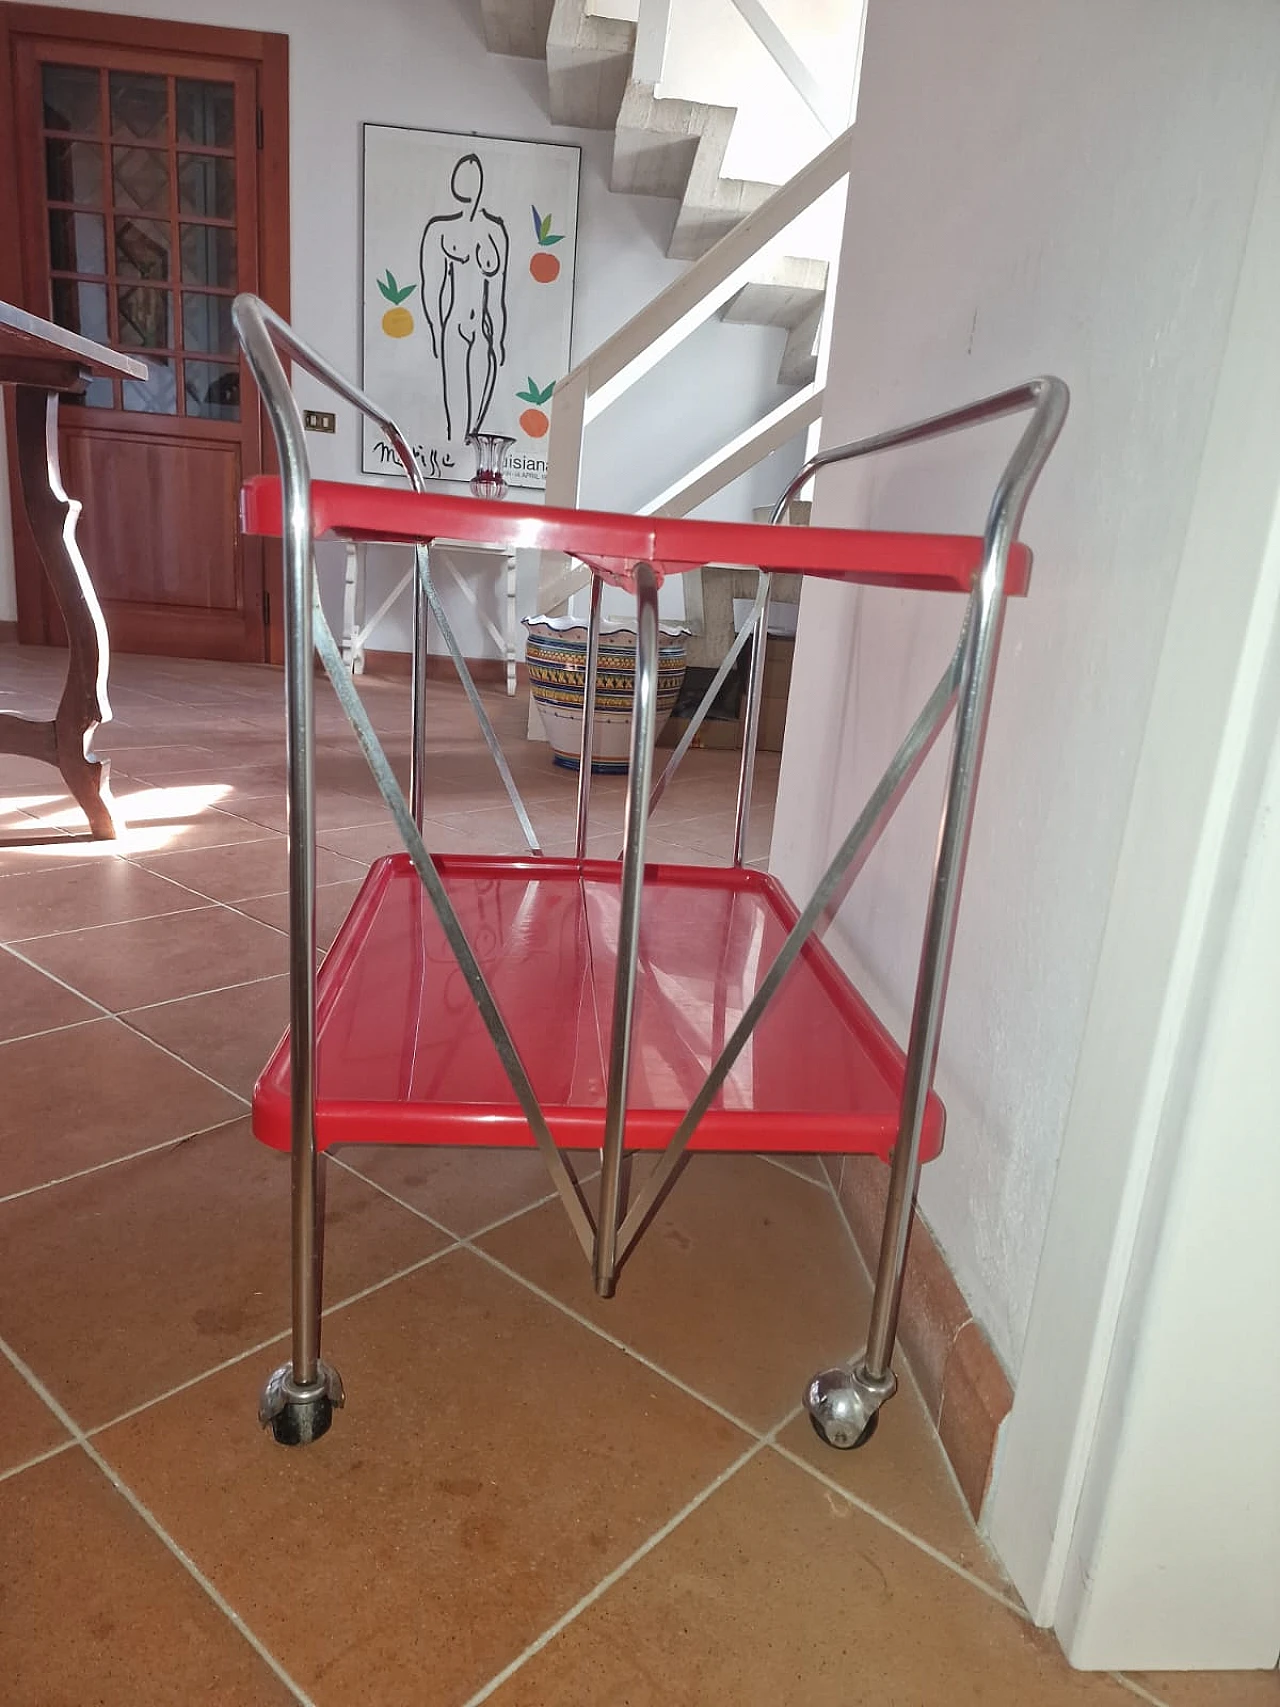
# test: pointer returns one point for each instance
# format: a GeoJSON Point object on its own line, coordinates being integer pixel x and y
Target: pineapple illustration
{"type": "Point", "coordinates": [397, 322]}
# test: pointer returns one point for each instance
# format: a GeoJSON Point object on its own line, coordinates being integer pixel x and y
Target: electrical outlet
{"type": "Point", "coordinates": [319, 421]}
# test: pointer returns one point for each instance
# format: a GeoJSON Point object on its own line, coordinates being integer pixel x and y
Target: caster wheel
{"type": "Point", "coordinates": [847, 1445]}
{"type": "Point", "coordinates": [299, 1425]}
{"type": "Point", "coordinates": [298, 1415]}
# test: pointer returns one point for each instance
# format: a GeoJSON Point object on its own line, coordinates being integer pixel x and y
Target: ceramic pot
{"type": "Point", "coordinates": [491, 449]}
{"type": "Point", "coordinates": [556, 657]}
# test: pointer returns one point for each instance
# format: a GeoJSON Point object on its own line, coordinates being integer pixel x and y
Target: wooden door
{"type": "Point", "coordinates": [143, 205]}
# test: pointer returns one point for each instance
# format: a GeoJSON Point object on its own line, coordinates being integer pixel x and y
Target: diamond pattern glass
{"type": "Point", "coordinates": [146, 317]}
{"type": "Point", "coordinates": [81, 308]}
{"type": "Point", "coordinates": [209, 255]}
{"type": "Point", "coordinates": [72, 98]}
{"type": "Point", "coordinates": [213, 391]}
{"type": "Point", "coordinates": [77, 242]}
{"type": "Point", "coordinates": [139, 106]}
{"type": "Point", "coordinates": [206, 324]}
{"type": "Point", "coordinates": [155, 395]}
{"type": "Point", "coordinates": [140, 180]}
{"type": "Point", "coordinates": [207, 185]}
{"type": "Point", "coordinates": [141, 187]}
{"type": "Point", "coordinates": [73, 172]}
{"type": "Point", "coordinates": [206, 113]}
{"type": "Point", "coordinates": [142, 248]}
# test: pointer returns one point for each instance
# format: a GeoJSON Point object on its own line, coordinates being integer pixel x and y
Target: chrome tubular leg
{"type": "Point", "coordinates": [853, 852]}
{"type": "Point", "coordinates": [298, 1400]}
{"type": "Point", "coordinates": [445, 630]}
{"type": "Point", "coordinates": [643, 732]}
{"type": "Point", "coordinates": [708, 700]}
{"type": "Point", "coordinates": [750, 734]}
{"type": "Point", "coordinates": [588, 717]}
{"type": "Point", "coordinates": [438, 896]}
{"type": "Point", "coordinates": [418, 694]}
{"type": "Point", "coordinates": [843, 1403]}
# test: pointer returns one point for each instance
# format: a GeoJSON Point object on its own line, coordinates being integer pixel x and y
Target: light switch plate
{"type": "Point", "coordinates": [319, 421]}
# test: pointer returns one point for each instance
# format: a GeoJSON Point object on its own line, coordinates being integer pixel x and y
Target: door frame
{"type": "Point", "coordinates": [269, 55]}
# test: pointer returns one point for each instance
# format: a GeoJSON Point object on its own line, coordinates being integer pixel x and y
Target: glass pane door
{"type": "Point", "coordinates": [140, 194]}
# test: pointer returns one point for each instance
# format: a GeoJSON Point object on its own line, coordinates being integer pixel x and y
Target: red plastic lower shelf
{"type": "Point", "coordinates": [403, 1055]}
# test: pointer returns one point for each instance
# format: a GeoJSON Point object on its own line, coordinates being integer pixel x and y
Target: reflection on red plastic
{"type": "Point", "coordinates": [613, 544]}
{"type": "Point", "coordinates": [404, 1056]}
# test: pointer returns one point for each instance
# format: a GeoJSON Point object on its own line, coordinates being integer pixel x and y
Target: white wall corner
{"type": "Point", "coordinates": [1212, 719]}
{"type": "Point", "coordinates": [985, 244]}
{"type": "Point", "coordinates": [1174, 1561]}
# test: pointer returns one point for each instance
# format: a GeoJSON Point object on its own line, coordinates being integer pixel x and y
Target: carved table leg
{"type": "Point", "coordinates": [84, 705]}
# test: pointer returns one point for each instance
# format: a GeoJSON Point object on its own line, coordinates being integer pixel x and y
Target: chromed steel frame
{"type": "Point", "coordinates": [299, 1397]}
{"type": "Point", "coordinates": [843, 1402]}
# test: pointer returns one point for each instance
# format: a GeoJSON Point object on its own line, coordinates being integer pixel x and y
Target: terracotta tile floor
{"type": "Point", "coordinates": [531, 1496]}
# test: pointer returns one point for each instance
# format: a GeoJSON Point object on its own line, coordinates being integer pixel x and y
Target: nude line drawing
{"type": "Point", "coordinates": [463, 267]}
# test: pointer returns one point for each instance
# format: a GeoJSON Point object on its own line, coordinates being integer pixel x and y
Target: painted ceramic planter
{"type": "Point", "coordinates": [556, 657]}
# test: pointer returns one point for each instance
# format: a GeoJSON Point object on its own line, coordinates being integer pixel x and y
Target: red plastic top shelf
{"type": "Point", "coordinates": [612, 544]}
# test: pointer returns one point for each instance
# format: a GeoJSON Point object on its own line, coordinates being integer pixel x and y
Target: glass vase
{"type": "Point", "coordinates": [491, 451]}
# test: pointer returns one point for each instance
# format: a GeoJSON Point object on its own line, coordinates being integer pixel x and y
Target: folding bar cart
{"type": "Point", "coordinates": [610, 1004]}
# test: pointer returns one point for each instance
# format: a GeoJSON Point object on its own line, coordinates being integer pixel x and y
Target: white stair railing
{"type": "Point", "coordinates": [635, 348]}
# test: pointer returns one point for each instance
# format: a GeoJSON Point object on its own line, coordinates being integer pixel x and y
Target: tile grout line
{"type": "Point", "coordinates": [103, 1012]}
{"type": "Point", "coordinates": [108, 924]}
{"type": "Point", "coordinates": [40, 1458]}
{"type": "Point", "coordinates": [551, 1196]}
{"type": "Point", "coordinates": [777, 1162]}
{"type": "Point", "coordinates": [905, 1534]}
{"type": "Point", "coordinates": [153, 1523]}
{"type": "Point", "coordinates": [120, 1016]}
{"type": "Point", "coordinates": [467, 1243]}
{"type": "Point", "coordinates": [174, 1056]}
{"type": "Point", "coordinates": [613, 1340]}
{"type": "Point", "coordinates": [691, 1392]}
{"type": "Point", "coordinates": [265, 1345]}
{"type": "Point", "coordinates": [615, 1576]}
{"type": "Point", "coordinates": [219, 990]}
{"type": "Point", "coordinates": [236, 906]}
{"type": "Point", "coordinates": [455, 1243]}
{"type": "Point", "coordinates": [949, 1468]}
{"type": "Point", "coordinates": [49, 1030]}
{"type": "Point", "coordinates": [116, 1161]}
{"type": "Point", "coordinates": [1138, 1689]}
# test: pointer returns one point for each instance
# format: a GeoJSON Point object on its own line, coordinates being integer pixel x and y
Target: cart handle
{"type": "Point", "coordinates": [1046, 395]}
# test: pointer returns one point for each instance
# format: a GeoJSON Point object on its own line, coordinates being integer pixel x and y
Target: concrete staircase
{"type": "Point", "coordinates": [672, 148]}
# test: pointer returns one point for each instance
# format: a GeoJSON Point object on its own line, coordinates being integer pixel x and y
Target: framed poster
{"type": "Point", "coordinates": [468, 254]}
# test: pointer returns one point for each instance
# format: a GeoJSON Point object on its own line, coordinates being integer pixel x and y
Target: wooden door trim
{"type": "Point", "coordinates": [269, 55]}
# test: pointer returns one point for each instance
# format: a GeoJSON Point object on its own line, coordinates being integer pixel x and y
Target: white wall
{"type": "Point", "coordinates": [1064, 188]}
{"type": "Point", "coordinates": [1088, 1421]}
{"type": "Point", "coordinates": [424, 62]}
{"type": "Point", "coordinates": [1175, 1560]}
{"type": "Point", "coordinates": [714, 55]}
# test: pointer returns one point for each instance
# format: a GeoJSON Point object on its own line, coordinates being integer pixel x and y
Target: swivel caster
{"type": "Point", "coordinates": [844, 1405]}
{"type": "Point", "coordinates": [820, 1429]}
{"type": "Point", "coordinates": [298, 1414]}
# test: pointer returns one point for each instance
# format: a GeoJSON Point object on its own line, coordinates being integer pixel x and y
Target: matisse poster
{"type": "Point", "coordinates": [468, 255]}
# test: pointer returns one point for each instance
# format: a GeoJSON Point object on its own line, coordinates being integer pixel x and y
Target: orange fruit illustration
{"type": "Point", "coordinates": [534, 423]}
{"type": "Point", "coordinates": [397, 322]}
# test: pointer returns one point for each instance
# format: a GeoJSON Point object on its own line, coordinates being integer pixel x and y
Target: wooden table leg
{"type": "Point", "coordinates": [65, 740]}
